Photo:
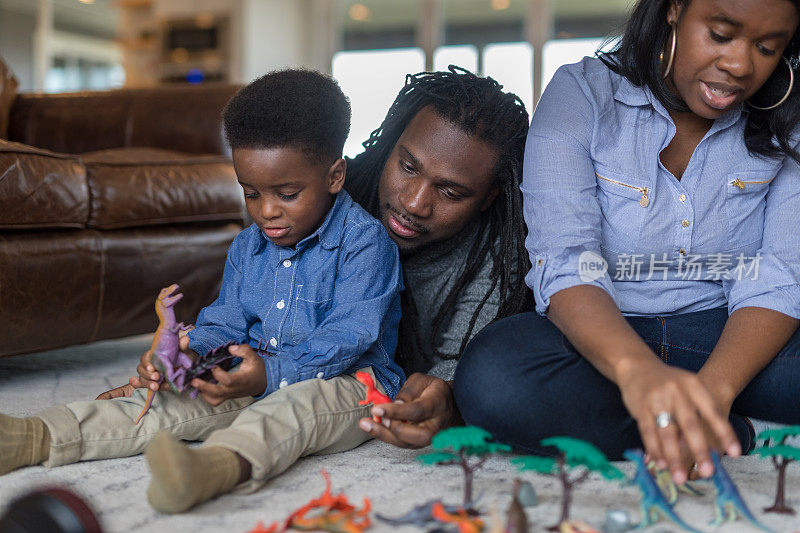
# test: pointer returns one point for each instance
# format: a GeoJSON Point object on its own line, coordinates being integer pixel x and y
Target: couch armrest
{"type": "Point", "coordinates": [181, 118]}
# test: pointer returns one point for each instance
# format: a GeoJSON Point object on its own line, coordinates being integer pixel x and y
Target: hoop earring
{"type": "Point", "coordinates": [785, 96]}
{"type": "Point", "coordinates": [671, 54]}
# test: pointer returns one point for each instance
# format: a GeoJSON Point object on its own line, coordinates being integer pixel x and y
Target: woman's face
{"type": "Point", "coordinates": [727, 49]}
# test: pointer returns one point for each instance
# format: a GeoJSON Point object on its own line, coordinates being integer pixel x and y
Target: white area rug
{"type": "Point", "coordinates": [389, 476]}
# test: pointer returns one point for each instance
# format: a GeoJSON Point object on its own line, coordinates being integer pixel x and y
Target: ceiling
{"type": "Point", "coordinates": [394, 13]}
{"type": "Point", "coordinates": [98, 19]}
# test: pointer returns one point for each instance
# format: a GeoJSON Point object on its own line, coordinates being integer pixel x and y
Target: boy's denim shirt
{"type": "Point", "coordinates": [595, 191]}
{"type": "Point", "coordinates": [328, 307]}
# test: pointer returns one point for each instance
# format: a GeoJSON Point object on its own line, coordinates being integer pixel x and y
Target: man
{"type": "Point", "coordinates": [442, 174]}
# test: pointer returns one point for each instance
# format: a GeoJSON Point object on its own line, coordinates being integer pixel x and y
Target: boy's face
{"type": "Point", "coordinates": [436, 180]}
{"type": "Point", "coordinates": [286, 192]}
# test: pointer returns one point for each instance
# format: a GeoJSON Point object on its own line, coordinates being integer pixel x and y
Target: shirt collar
{"type": "Point", "coordinates": [630, 94]}
{"type": "Point", "coordinates": [633, 95]}
{"type": "Point", "coordinates": [329, 232]}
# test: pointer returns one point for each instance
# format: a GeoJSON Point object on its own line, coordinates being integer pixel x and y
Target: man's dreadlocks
{"type": "Point", "coordinates": [478, 107]}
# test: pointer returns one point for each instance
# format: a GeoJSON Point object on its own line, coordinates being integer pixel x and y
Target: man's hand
{"type": "Point", "coordinates": [250, 379]}
{"type": "Point", "coordinates": [422, 408]}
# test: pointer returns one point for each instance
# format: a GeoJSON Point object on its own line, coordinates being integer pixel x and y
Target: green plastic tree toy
{"type": "Point", "coordinates": [573, 454]}
{"type": "Point", "coordinates": [456, 445]}
{"type": "Point", "coordinates": [782, 454]}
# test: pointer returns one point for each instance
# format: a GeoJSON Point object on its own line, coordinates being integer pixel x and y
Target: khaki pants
{"type": "Point", "coordinates": [310, 417]}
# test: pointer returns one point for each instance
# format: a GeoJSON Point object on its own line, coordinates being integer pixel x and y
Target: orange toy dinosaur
{"type": "Point", "coordinates": [374, 396]}
{"type": "Point", "coordinates": [465, 522]}
{"type": "Point", "coordinates": [335, 514]}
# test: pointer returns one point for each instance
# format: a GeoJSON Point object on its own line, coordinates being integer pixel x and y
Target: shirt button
{"type": "Point", "coordinates": [287, 263]}
{"type": "Point", "coordinates": [273, 342]}
{"type": "Point", "coordinates": [320, 375]}
{"type": "Point", "coordinates": [282, 384]}
{"type": "Point", "coordinates": [685, 223]}
{"type": "Point", "coordinates": [682, 251]}
{"type": "Point", "coordinates": [282, 304]}
{"type": "Point", "coordinates": [682, 197]}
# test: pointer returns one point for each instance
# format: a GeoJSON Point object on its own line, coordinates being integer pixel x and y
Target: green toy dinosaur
{"type": "Point", "coordinates": [728, 504]}
{"type": "Point", "coordinates": [653, 503]}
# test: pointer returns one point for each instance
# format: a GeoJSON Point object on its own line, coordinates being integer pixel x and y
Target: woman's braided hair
{"type": "Point", "coordinates": [479, 107]}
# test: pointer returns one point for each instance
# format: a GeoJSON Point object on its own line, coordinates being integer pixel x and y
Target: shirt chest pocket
{"type": "Point", "coordinates": [745, 203]}
{"type": "Point", "coordinates": [623, 203]}
{"type": "Point", "coordinates": [310, 309]}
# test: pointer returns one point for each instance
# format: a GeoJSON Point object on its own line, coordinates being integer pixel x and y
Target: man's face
{"type": "Point", "coordinates": [727, 49]}
{"type": "Point", "coordinates": [436, 180]}
{"type": "Point", "coordinates": [286, 193]}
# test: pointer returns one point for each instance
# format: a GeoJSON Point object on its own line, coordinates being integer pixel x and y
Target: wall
{"type": "Point", "coordinates": [285, 33]}
{"type": "Point", "coordinates": [16, 44]}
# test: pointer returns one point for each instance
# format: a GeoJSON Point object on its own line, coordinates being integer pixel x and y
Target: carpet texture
{"type": "Point", "coordinates": [389, 476]}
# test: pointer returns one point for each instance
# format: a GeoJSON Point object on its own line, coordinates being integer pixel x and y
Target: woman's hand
{"type": "Point", "coordinates": [249, 379]}
{"type": "Point", "coordinates": [423, 407]}
{"type": "Point", "coordinates": [673, 408]}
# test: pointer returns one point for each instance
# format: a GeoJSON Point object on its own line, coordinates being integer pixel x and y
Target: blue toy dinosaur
{"type": "Point", "coordinates": [653, 504]}
{"type": "Point", "coordinates": [728, 504]}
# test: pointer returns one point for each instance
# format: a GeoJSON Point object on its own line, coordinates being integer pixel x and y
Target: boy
{"type": "Point", "coordinates": [315, 282]}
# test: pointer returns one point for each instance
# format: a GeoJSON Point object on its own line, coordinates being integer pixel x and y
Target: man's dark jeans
{"type": "Point", "coordinates": [522, 380]}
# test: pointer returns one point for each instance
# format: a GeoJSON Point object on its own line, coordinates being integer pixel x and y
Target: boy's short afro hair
{"type": "Point", "coordinates": [294, 107]}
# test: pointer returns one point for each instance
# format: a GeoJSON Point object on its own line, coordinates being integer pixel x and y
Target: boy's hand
{"type": "Point", "coordinates": [250, 379]}
{"type": "Point", "coordinates": [148, 377]}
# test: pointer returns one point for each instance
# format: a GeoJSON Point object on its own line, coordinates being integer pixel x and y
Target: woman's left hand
{"type": "Point", "coordinates": [249, 379]}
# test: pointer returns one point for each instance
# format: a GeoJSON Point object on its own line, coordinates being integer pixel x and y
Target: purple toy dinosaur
{"type": "Point", "coordinates": [176, 367]}
{"type": "Point", "coordinates": [165, 353]}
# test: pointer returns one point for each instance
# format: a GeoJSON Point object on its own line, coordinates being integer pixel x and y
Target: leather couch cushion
{"type": "Point", "coordinates": [144, 186]}
{"type": "Point", "coordinates": [186, 118]}
{"type": "Point", "coordinates": [40, 271]}
{"type": "Point", "coordinates": [8, 91]}
{"type": "Point", "coordinates": [67, 287]}
{"type": "Point", "coordinates": [41, 189]}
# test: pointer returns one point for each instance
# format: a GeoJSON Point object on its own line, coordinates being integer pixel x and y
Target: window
{"type": "Point", "coordinates": [563, 52]}
{"type": "Point", "coordinates": [465, 56]}
{"type": "Point", "coordinates": [511, 64]}
{"type": "Point", "coordinates": [372, 79]}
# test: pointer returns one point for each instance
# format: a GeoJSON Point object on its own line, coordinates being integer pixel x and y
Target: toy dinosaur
{"type": "Point", "coordinates": [374, 396]}
{"type": "Point", "coordinates": [462, 519]}
{"type": "Point", "coordinates": [653, 503]}
{"type": "Point", "coordinates": [668, 486]}
{"type": "Point", "coordinates": [334, 513]}
{"type": "Point", "coordinates": [420, 515]}
{"type": "Point", "coordinates": [576, 526]}
{"type": "Point", "coordinates": [516, 519]}
{"type": "Point", "coordinates": [176, 367]}
{"type": "Point", "coordinates": [728, 504]}
{"type": "Point", "coordinates": [165, 353]}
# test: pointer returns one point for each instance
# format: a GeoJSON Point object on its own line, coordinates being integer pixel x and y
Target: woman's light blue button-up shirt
{"type": "Point", "coordinates": [602, 210]}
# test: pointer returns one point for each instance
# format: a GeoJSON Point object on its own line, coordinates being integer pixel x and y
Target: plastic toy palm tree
{"type": "Point", "coordinates": [573, 454]}
{"type": "Point", "coordinates": [455, 446]}
{"type": "Point", "coordinates": [782, 454]}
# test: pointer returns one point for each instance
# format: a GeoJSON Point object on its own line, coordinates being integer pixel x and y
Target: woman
{"type": "Point", "coordinates": [662, 196]}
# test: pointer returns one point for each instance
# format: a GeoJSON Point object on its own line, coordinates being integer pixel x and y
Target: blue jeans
{"type": "Point", "coordinates": [522, 380]}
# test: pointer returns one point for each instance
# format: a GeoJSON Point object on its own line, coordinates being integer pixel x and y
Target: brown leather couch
{"type": "Point", "coordinates": [105, 197]}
